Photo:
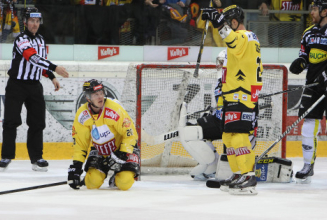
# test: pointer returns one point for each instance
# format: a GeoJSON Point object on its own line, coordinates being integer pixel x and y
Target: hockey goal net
{"type": "Point", "coordinates": [153, 94]}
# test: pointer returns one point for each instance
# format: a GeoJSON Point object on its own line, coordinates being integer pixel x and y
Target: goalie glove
{"type": "Point", "coordinates": [74, 175]}
{"type": "Point", "coordinates": [214, 16]}
{"type": "Point", "coordinates": [298, 65]}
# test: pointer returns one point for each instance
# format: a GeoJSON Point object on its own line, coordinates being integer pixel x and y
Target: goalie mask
{"type": "Point", "coordinates": [92, 86]}
{"type": "Point", "coordinates": [31, 13]}
{"type": "Point", "coordinates": [220, 59]}
{"type": "Point", "coordinates": [233, 12]}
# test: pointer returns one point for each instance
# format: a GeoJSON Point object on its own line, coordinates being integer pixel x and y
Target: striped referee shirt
{"type": "Point", "coordinates": [30, 58]}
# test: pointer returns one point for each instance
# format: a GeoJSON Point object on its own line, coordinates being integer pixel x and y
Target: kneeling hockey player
{"type": "Point", "coordinates": [104, 128]}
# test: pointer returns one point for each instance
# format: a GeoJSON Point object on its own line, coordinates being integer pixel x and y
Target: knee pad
{"type": "Point", "coordinates": [311, 127]}
{"type": "Point", "coordinates": [94, 178]}
{"type": "Point", "coordinates": [124, 180]}
{"type": "Point", "coordinates": [201, 150]}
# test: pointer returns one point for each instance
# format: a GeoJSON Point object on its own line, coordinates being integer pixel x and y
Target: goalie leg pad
{"type": "Point", "coordinates": [200, 150]}
{"type": "Point", "coordinates": [124, 180]}
{"type": "Point", "coordinates": [94, 178]}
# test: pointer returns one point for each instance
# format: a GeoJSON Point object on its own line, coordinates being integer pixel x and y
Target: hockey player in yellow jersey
{"type": "Point", "coordinates": [242, 82]}
{"type": "Point", "coordinates": [104, 128]}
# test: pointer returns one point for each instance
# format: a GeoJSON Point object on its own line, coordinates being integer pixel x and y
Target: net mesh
{"type": "Point", "coordinates": [157, 92]}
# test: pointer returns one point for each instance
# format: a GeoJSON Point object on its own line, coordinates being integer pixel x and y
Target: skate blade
{"type": "Point", "coordinates": [307, 180]}
{"type": "Point", "coordinates": [39, 169]}
{"type": "Point", "coordinates": [244, 191]}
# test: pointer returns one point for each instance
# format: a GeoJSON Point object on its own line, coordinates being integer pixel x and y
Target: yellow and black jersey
{"type": "Point", "coordinates": [314, 51]}
{"type": "Point", "coordinates": [110, 130]}
{"type": "Point", "coordinates": [242, 76]}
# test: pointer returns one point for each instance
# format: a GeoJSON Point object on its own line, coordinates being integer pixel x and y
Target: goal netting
{"type": "Point", "coordinates": [153, 94]}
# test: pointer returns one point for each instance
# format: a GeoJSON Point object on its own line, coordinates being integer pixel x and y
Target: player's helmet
{"type": "Point", "coordinates": [92, 86]}
{"type": "Point", "coordinates": [233, 12]}
{"type": "Point", "coordinates": [321, 4]}
{"type": "Point", "coordinates": [220, 59]}
{"type": "Point", "coordinates": [31, 12]}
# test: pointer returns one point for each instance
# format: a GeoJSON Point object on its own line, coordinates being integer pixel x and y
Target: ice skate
{"type": "Point", "coordinates": [4, 164]}
{"type": "Point", "coordinates": [40, 165]}
{"type": "Point", "coordinates": [224, 184]}
{"type": "Point", "coordinates": [304, 176]}
{"type": "Point", "coordinates": [245, 185]}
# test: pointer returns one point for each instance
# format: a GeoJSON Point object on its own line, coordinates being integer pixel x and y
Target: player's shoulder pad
{"type": "Point", "coordinates": [309, 28]}
{"type": "Point", "coordinates": [112, 110]}
{"type": "Point", "coordinates": [251, 36]}
{"type": "Point", "coordinates": [83, 114]}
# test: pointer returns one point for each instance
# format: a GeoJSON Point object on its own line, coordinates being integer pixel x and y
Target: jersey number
{"type": "Point", "coordinates": [259, 73]}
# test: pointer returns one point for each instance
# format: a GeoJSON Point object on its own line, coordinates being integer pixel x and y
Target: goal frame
{"type": "Point", "coordinates": [141, 67]}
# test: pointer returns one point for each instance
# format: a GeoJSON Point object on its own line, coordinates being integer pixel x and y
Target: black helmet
{"type": "Point", "coordinates": [31, 12]}
{"type": "Point", "coordinates": [321, 4]}
{"type": "Point", "coordinates": [233, 12]}
{"type": "Point", "coordinates": [92, 86]}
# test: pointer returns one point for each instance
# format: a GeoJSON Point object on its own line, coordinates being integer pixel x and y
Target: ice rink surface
{"type": "Point", "coordinates": [157, 197]}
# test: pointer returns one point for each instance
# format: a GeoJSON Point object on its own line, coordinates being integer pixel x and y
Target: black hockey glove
{"type": "Point", "coordinates": [214, 16]}
{"type": "Point", "coordinates": [298, 65]}
{"type": "Point", "coordinates": [93, 160]}
{"type": "Point", "coordinates": [74, 175]}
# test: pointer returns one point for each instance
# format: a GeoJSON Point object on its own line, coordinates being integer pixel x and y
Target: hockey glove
{"type": "Point", "coordinates": [74, 175]}
{"type": "Point", "coordinates": [214, 16]}
{"type": "Point", "coordinates": [93, 160]}
{"type": "Point", "coordinates": [298, 65]}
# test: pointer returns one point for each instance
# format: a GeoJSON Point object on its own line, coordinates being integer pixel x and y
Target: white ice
{"type": "Point", "coordinates": [157, 197]}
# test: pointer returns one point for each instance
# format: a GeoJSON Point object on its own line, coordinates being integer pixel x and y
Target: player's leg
{"type": "Point", "coordinates": [14, 99]}
{"type": "Point", "coordinates": [310, 129]}
{"type": "Point", "coordinates": [35, 119]}
{"type": "Point", "coordinates": [200, 149]}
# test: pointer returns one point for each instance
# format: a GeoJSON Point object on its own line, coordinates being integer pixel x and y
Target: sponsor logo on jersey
{"type": "Point", "coordinates": [230, 151]}
{"type": "Point", "coordinates": [177, 52]}
{"type": "Point", "coordinates": [111, 114]}
{"type": "Point", "coordinates": [242, 151]}
{"type": "Point", "coordinates": [235, 96]}
{"type": "Point", "coordinates": [255, 90]}
{"type": "Point", "coordinates": [132, 158]}
{"type": "Point", "coordinates": [83, 117]}
{"type": "Point", "coordinates": [246, 116]}
{"type": "Point", "coordinates": [302, 48]}
{"type": "Point", "coordinates": [323, 41]}
{"type": "Point", "coordinates": [317, 56]}
{"type": "Point", "coordinates": [105, 148]}
{"type": "Point", "coordinates": [74, 131]}
{"type": "Point", "coordinates": [232, 116]}
{"type": "Point", "coordinates": [126, 122]}
{"type": "Point", "coordinates": [244, 97]}
{"type": "Point", "coordinates": [104, 52]}
{"type": "Point", "coordinates": [288, 5]}
{"type": "Point", "coordinates": [23, 44]}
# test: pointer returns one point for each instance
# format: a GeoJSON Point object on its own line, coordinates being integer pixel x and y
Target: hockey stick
{"type": "Point", "coordinates": [288, 90]}
{"type": "Point", "coordinates": [290, 128]}
{"type": "Point", "coordinates": [33, 187]}
{"type": "Point", "coordinates": [204, 35]}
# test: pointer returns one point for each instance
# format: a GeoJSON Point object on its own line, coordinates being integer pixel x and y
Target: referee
{"type": "Point", "coordinates": [28, 64]}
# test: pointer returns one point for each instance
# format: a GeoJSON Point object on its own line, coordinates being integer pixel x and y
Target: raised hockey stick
{"type": "Point", "coordinates": [33, 187]}
{"type": "Point", "coordinates": [290, 128]}
{"type": "Point", "coordinates": [204, 35]}
{"type": "Point", "coordinates": [289, 90]}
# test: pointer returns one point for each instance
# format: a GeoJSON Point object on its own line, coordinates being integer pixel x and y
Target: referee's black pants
{"type": "Point", "coordinates": [19, 92]}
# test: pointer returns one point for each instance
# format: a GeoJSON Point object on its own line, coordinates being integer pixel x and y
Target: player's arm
{"type": "Point", "coordinates": [126, 128]}
{"type": "Point", "coordinates": [235, 41]}
{"type": "Point", "coordinates": [81, 140]}
{"type": "Point", "coordinates": [24, 47]}
{"type": "Point", "coordinates": [300, 63]}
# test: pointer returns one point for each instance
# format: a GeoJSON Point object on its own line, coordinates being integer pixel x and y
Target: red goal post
{"type": "Point", "coordinates": [153, 93]}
